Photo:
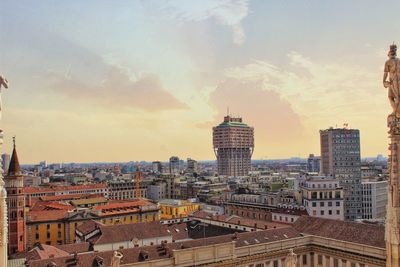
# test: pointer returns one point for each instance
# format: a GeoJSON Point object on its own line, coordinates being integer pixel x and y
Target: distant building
{"type": "Point", "coordinates": [340, 158]}
{"type": "Point", "coordinates": [313, 163]}
{"type": "Point", "coordinates": [323, 197]}
{"type": "Point", "coordinates": [174, 165]}
{"type": "Point", "coordinates": [233, 143]}
{"type": "Point", "coordinates": [192, 166]}
{"type": "Point", "coordinates": [375, 198]}
{"type": "Point", "coordinates": [156, 167]}
{"type": "Point", "coordinates": [6, 162]}
{"type": "Point", "coordinates": [175, 208]}
{"type": "Point", "coordinates": [126, 189]}
{"type": "Point", "coordinates": [157, 191]}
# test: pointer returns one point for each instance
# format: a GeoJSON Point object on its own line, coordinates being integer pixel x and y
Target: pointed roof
{"type": "Point", "coordinates": [14, 168]}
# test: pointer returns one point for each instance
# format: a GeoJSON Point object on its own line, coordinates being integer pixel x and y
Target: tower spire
{"type": "Point", "coordinates": [14, 168]}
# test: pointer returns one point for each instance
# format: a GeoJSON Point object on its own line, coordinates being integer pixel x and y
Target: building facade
{"type": "Point", "coordinates": [313, 163]}
{"type": "Point", "coordinates": [126, 189]}
{"type": "Point", "coordinates": [14, 184]}
{"type": "Point", "coordinates": [375, 199]}
{"type": "Point", "coordinates": [340, 158]}
{"type": "Point", "coordinates": [323, 197]}
{"type": "Point", "coordinates": [233, 143]}
{"type": "Point", "coordinates": [174, 165]}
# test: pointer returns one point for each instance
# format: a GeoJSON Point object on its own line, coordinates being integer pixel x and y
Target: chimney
{"type": "Point", "coordinates": [266, 227]}
{"type": "Point", "coordinates": [239, 222]}
{"type": "Point", "coordinates": [116, 259]}
{"type": "Point", "coordinates": [255, 226]}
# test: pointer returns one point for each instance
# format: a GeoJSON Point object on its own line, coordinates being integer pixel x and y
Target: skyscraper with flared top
{"type": "Point", "coordinates": [233, 143]}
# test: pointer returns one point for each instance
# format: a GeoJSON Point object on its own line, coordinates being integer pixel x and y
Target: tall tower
{"type": "Point", "coordinates": [14, 184]}
{"type": "Point", "coordinates": [233, 143]}
{"type": "Point", "coordinates": [340, 158]}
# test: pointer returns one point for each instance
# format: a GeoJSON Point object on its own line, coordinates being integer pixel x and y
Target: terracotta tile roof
{"type": "Point", "coordinates": [132, 255]}
{"type": "Point", "coordinates": [46, 205]}
{"type": "Point", "coordinates": [179, 231]}
{"type": "Point", "coordinates": [362, 233]}
{"type": "Point", "coordinates": [43, 251]}
{"type": "Point", "coordinates": [45, 215]}
{"type": "Point", "coordinates": [75, 248]}
{"type": "Point", "coordinates": [123, 232]}
{"type": "Point", "coordinates": [233, 219]}
{"type": "Point", "coordinates": [88, 226]}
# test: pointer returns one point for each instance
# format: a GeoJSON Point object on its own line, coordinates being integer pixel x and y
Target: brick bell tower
{"type": "Point", "coordinates": [14, 184]}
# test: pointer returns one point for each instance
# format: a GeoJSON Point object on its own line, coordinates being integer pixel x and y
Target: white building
{"type": "Point", "coordinates": [323, 197]}
{"type": "Point", "coordinates": [375, 199]}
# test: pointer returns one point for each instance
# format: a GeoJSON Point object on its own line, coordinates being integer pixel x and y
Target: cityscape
{"type": "Point", "coordinates": [164, 177]}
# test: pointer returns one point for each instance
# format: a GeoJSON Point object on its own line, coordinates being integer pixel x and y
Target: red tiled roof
{"type": "Point", "coordinates": [362, 233]}
{"type": "Point", "coordinates": [45, 205]}
{"type": "Point", "coordinates": [75, 248]}
{"type": "Point", "coordinates": [43, 251]}
{"type": "Point", "coordinates": [45, 215]}
{"type": "Point", "coordinates": [132, 255]}
{"type": "Point", "coordinates": [88, 226]}
{"type": "Point", "coordinates": [233, 219]}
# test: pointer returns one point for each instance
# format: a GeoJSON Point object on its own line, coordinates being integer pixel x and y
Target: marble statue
{"type": "Point", "coordinates": [291, 259]}
{"type": "Point", "coordinates": [3, 83]}
{"type": "Point", "coordinates": [392, 71]}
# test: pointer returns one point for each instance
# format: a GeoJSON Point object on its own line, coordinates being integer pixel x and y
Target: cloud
{"type": "Point", "coordinates": [226, 12]}
{"type": "Point", "coordinates": [117, 90]}
{"type": "Point", "coordinates": [272, 117]}
{"type": "Point", "coordinates": [313, 88]}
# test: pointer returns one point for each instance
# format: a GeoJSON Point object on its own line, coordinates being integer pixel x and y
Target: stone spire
{"type": "Point", "coordinates": [3, 198]}
{"type": "Point", "coordinates": [14, 168]}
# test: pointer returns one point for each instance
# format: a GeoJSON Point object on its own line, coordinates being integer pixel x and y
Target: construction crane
{"type": "Point", "coordinates": [137, 180]}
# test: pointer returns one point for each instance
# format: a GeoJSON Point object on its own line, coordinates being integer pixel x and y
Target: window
{"type": "Point", "coordinates": [322, 204]}
{"type": "Point", "coordinates": [322, 212]}
{"type": "Point", "coordinates": [314, 204]}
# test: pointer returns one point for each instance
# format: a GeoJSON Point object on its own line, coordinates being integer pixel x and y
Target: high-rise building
{"type": "Point", "coordinates": [233, 143]}
{"type": "Point", "coordinates": [14, 184]}
{"type": "Point", "coordinates": [6, 162]}
{"type": "Point", "coordinates": [375, 198]}
{"type": "Point", "coordinates": [313, 163]}
{"type": "Point", "coordinates": [156, 167]}
{"type": "Point", "coordinates": [174, 165]}
{"type": "Point", "coordinates": [192, 166]}
{"type": "Point", "coordinates": [340, 158]}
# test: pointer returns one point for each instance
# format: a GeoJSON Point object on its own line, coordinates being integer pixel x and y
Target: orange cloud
{"type": "Point", "coordinates": [271, 116]}
{"type": "Point", "coordinates": [118, 90]}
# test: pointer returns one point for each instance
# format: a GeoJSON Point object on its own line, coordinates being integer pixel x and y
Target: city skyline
{"type": "Point", "coordinates": [80, 90]}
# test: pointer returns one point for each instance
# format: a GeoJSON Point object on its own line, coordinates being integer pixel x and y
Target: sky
{"type": "Point", "coordinates": [116, 81]}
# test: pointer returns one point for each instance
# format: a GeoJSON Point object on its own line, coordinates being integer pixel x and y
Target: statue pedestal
{"type": "Point", "coordinates": [392, 231]}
